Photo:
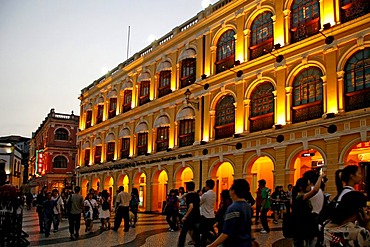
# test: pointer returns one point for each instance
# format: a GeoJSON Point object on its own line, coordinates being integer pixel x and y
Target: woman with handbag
{"type": "Point", "coordinates": [89, 204]}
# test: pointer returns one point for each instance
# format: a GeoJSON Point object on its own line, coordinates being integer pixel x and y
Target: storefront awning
{"type": "Point", "coordinates": [186, 113]}
{"type": "Point", "coordinates": [110, 138]}
{"type": "Point", "coordinates": [188, 53]}
{"type": "Point", "coordinates": [124, 133]}
{"type": "Point", "coordinates": [142, 127]}
{"type": "Point", "coordinates": [97, 142]}
{"type": "Point", "coordinates": [164, 66]}
{"type": "Point", "coordinates": [162, 121]}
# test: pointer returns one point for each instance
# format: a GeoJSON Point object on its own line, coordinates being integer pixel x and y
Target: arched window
{"type": "Point", "coordinates": [186, 132]}
{"type": "Point", "coordinates": [164, 86]}
{"type": "Point", "coordinates": [142, 143]}
{"type": "Point", "coordinates": [97, 155]}
{"type": "Point", "coordinates": [61, 134]}
{"type": "Point", "coordinates": [357, 81]}
{"type": "Point", "coordinates": [125, 147]}
{"type": "Point", "coordinates": [225, 51]}
{"type": "Point", "coordinates": [352, 9]}
{"type": "Point", "coordinates": [262, 107]}
{"type": "Point", "coordinates": [144, 92]}
{"type": "Point", "coordinates": [305, 19]}
{"type": "Point", "coordinates": [188, 69]}
{"type": "Point", "coordinates": [60, 162]}
{"type": "Point", "coordinates": [225, 117]}
{"type": "Point", "coordinates": [110, 151]}
{"type": "Point", "coordinates": [262, 35]}
{"type": "Point", "coordinates": [99, 115]}
{"type": "Point", "coordinates": [127, 99]}
{"type": "Point", "coordinates": [162, 138]}
{"type": "Point", "coordinates": [88, 118]}
{"type": "Point", "coordinates": [112, 107]}
{"type": "Point", "coordinates": [307, 95]}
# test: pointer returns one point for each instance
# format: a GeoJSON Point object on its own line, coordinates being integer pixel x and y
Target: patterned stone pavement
{"type": "Point", "coordinates": [151, 231]}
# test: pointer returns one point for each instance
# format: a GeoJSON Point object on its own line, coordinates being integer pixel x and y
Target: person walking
{"type": "Point", "coordinates": [304, 223]}
{"type": "Point", "coordinates": [258, 204]}
{"type": "Point", "coordinates": [122, 202]}
{"type": "Point", "coordinates": [237, 227]}
{"type": "Point", "coordinates": [192, 216]}
{"type": "Point", "coordinates": [134, 204]}
{"type": "Point", "coordinates": [222, 208]}
{"type": "Point", "coordinates": [40, 199]}
{"type": "Point", "coordinates": [48, 212]}
{"type": "Point", "coordinates": [76, 208]}
{"type": "Point", "coordinates": [265, 205]}
{"type": "Point", "coordinates": [105, 210]}
{"type": "Point", "coordinates": [89, 205]}
{"type": "Point", "coordinates": [207, 212]}
{"type": "Point", "coordinates": [57, 210]}
{"type": "Point", "coordinates": [171, 210]}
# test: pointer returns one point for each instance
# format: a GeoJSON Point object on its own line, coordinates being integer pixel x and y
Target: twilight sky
{"type": "Point", "coordinates": [51, 49]}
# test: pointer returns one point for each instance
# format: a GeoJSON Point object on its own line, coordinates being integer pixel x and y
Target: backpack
{"type": "Point", "coordinates": [105, 205]}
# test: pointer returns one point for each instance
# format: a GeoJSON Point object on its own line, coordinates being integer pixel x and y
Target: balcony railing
{"type": "Point", "coordinates": [307, 112]}
{"type": "Point", "coordinates": [167, 37]}
{"type": "Point", "coordinates": [263, 122]}
{"type": "Point", "coordinates": [357, 100]}
{"type": "Point", "coordinates": [186, 140]}
{"type": "Point", "coordinates": [224, 131]}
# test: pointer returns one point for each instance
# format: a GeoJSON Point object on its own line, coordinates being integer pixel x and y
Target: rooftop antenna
{"type": "Point", "coordinates": [128, 41]}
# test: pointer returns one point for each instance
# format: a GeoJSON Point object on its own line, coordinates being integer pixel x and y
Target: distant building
{"type": "Point", "coordinates": [53, 151]}
{"type": "Point", "coordinates": [13, 159]}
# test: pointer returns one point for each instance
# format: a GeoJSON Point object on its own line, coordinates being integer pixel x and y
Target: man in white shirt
{"type": "Point", "coordinates": [207, 212]}
{"type": "Point", "coordinates": [57, 216]}
{"type": "Point", "coordinates": [123, 203]}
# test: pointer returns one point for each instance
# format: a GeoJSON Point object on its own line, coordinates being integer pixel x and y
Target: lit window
{"type": "Point", "coordinates": [188, 69]}
{"type": "Point", "coordinates": [60, 162]}
{"type": "Point", "coordinates": [61, 134]}
{"type": "Point", "coordinates": [357, 81]}
{"type": "Point", "coordinates": [225, 51]}
{"type": "Point", "coordinates": [262, 36]}
{"type": "Point", "coordinates": [164, 86]}
{"type": "Point", "coordinates": [307, 95]}
{"type": "Point", "coordinates": [305, 19]}
{"type": "Point", "coordinates": [225, 117]}
{"type": "Point", "coordinates": [262, 107]}
{"type": "Point", "coordinates": [352, 9]}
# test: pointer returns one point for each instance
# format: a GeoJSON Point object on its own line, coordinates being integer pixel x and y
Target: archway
{"type": "Point", "coordinates": [262, 169]}
{"type": "Point", "coordinates": [108, 185]}
{"type": "Point", "coordinates": [95, 184]}
{"type": "Point", "coordinates": [307, 160]}
{"type": "Point", "coordinates": [159, 190]}
{"type": "Point", "coordinates": [140, 183]}
{"type": "Point", "coordinates": [84, 187]}
{"type": "Point", "coordinates": [184, 175]}
{"type": "Point", "coordinates": [123, 180]}
{"type": "Point", "coordinates": [223, 175]}
{"type": "Point", "coordinates": [359, 154]}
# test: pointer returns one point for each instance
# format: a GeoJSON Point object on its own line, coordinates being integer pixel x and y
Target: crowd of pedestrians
{"type": "Point", "coordinates": [310, 219]}
{"type": "Point", "coordinates": [52, 207]}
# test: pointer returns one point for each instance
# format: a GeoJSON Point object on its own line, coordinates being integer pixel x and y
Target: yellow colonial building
{"type": "Point", "coordinates": [244, 89]}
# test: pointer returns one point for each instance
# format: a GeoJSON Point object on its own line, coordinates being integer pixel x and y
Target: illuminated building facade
{"type": "Point", "coordinates": [245, 89]}
{"type": "Point", "coordinates": [53, 151]}
{"type": "Point", "coordinates": [13, 160]}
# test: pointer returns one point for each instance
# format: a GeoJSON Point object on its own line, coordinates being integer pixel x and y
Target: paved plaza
{"type": "Point", "coordinates": [151, 231]}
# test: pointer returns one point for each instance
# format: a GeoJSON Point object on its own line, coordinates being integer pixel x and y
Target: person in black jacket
{"type": "Point", "coordinates": [41, 197]}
